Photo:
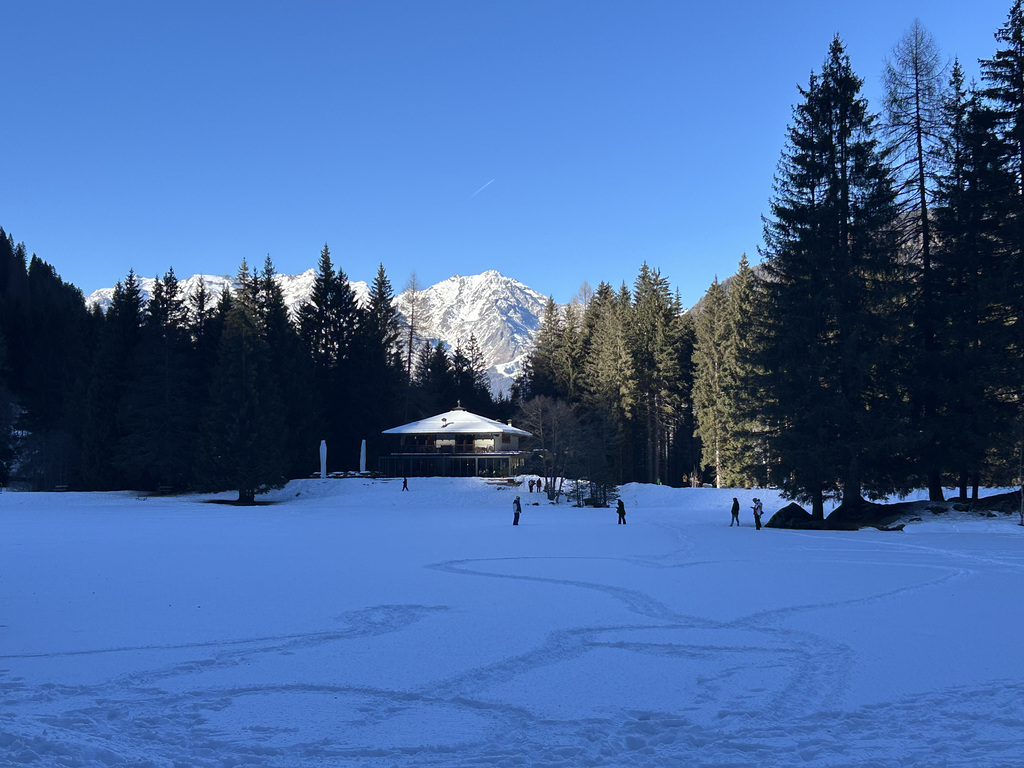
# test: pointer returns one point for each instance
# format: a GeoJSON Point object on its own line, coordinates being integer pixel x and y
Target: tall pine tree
{"type": "Point", "coordinates": [972, 216]}
{"type": "Point", "coordinates": [711, 364]}
{"type": "Point", "coordinates": [1003, 75]}
{"type": "Point", "coordinates": [831, 255]}
{"type": "Point", "coordinates": [243, 448]}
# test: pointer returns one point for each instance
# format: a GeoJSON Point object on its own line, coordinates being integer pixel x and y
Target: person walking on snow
{"type": "Point", "coordinates": [622, 513]}
{"type": "Point", "coordinates": [735, 512]}
{"type": "Point", "coordinates": [516, 511]}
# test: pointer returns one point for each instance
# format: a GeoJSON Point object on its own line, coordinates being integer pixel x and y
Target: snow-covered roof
{"type": "Point", "coordinates": [458, 421]}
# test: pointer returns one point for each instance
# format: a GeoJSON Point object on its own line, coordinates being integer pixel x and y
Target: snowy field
{"type": "Point", "coordinates": [352, 624]}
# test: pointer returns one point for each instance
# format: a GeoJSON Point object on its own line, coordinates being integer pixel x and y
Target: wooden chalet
{"type": "Point", "coordinates": [453, 444]}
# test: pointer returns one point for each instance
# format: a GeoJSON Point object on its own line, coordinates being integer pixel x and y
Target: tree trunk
{"type": "Point", "coordinates": [651, 468]}
{"type": "Point", "coordinates": [817, 504]}
{"type": "Point", "coordinates": [852, 484]}
{"type": "Point", "coordinates": [935, 492]}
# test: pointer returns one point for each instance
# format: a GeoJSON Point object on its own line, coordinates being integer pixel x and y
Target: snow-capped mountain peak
{"type": "Point", "coordinates": [500, 312]}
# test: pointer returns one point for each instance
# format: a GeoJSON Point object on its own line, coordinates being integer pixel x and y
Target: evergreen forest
{"type": "Point", "coordinates": [200, 392]}
{"type": "Point", "coordinates": [875, 347]}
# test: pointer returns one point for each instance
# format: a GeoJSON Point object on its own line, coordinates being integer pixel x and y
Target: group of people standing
{"type": "Point", "coordinates": [758, 511]}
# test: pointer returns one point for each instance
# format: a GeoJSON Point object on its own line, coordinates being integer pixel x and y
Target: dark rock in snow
{"type": "Point", "coordinates": [889, 517]}
{"type": "Point", "coordinates": [861, 514]}
{"type": "Point", "coordinates": [1007, 503]}
{"type": "Point", "coordinates": [792, 516]}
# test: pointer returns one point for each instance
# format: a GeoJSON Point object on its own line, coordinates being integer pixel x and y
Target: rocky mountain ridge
{"type": "Point", "coordinates": [503, 314]}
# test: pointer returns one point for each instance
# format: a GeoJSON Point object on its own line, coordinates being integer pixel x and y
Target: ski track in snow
{"type": "Point", "coordinates": [170, 714]}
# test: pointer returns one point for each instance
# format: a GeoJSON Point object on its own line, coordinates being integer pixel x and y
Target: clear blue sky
{"type": "Point", "coordinates": [554, 141]}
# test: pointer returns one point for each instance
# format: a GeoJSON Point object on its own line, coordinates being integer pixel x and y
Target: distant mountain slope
{"type": "Point", "coordinates": [503, 314]}
{"type": "Point", "coordinates": [296, 288]}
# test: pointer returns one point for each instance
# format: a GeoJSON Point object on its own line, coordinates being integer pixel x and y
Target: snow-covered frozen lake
{"type": "Point", "coordinates": [352, 624]}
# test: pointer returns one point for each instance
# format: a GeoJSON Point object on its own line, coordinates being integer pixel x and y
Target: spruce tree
{"type": "Point", "coordinates": [114, 375]}
{"type": "Point", "coordinates": [160, 442]}
{"type": "Point", "coordinates": [317, 322]}
{"type": "Point", "coordinates": [379, 370]}
{"type": "Point", "coordinates": [1003, 75]}
{"type": "Point", "coordinates": [435, 381]}
{"type": "Point", "coordinates": [711, 365]}
{"type": "Point", "coordinates": [472, 387]}
{"type": "Point", "coordinates": [683, 448]}
{"type": "Point", "coordinates": [290, 373]}
{"type": "Point", "coordinates": [608, 394]}
{"type": "Point", "coordinates": [204, 323]}
{"type": "Point", "coordinates": [975, 203]}
{"type": "Point", "coordinates": [243, 449]}
{"type": "Point", "coordinates": [543, 361]}
{"type": "Point", "coordinates": [653, 334]}
{"type": "Point", "coordinates": [382, 322]}
{"type": "Point", "coordinates": [569, 355]}
{"type": "Point", "coordinates": [831, 267]}
{"type": "Point", "coordinates": [1004, 78]}
{"type": "Point", "coordinates": [743, 450]}
{"type": "Point", "coordinates": [330, 325]}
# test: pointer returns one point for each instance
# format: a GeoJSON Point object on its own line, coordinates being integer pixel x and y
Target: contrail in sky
{"type": "Point", "coordinates": [485, 186]}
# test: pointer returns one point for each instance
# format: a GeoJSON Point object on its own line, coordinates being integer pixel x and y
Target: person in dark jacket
{"type": "Point", "coordinates": [516, 511]}
{"type": "Point", "coordinates": [735, 512]}
{"type": "Point", "coordinates": [622, 513]}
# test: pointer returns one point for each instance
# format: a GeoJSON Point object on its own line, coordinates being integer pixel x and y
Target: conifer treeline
{"type": "Point", "coordinates": [621, 363]}
{"type": "Point", "coordinates": [878, 347]}
{"type": "Point", "coordinates": [207, 392]}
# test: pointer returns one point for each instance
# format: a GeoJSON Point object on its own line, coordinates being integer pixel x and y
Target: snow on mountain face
{"type": "Point", "coordinates": [502, 313]}
{"type": "Point", "coordinates": [215, 285]}
{"type": "Point", "coordinates": [296, 289]}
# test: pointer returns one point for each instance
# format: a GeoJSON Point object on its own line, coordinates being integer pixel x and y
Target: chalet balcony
{"type": "Point", "coordinates": [451, 450]}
